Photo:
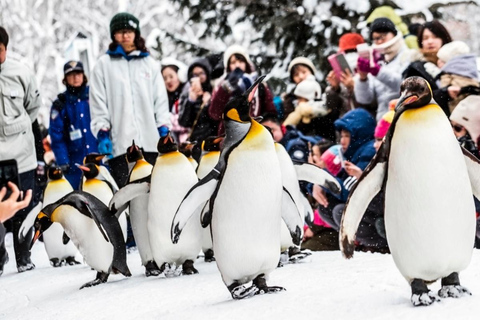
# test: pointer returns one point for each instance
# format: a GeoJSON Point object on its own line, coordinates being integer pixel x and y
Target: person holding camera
{"type": "Point", "coordinates": [20, 105]}
{"type": "Point", "coordinates": [380, 67]}
{"type": "Point", "coordinates": [238, 78]}
{"type": "Point", "coordinates": [69, 129]}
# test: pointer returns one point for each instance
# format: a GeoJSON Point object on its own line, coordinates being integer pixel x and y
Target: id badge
{"type": "Point", "coordinates": [75, 134]}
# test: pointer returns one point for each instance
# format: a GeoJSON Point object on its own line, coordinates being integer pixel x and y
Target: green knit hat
{"type": "Point", "coordinates": [124, 20]}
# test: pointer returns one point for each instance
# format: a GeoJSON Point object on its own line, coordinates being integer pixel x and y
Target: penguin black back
{"type": "Point", "coordinates": [166, 144]}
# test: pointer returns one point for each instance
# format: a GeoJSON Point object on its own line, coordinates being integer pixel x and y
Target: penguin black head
{"type": "Point", "coordinates": [416, 93]}
{"type": "Point", "coordinates": [94, 157]}
{"type": "Point", "coordinates": [166, 144]}
{"type": "Point", "coordinates": [42, 223]}
{"type": "Point", "coordinates": [186, 148]}
{"type": "Point", "coordinates": [238, 108]}
{"type": "Point", "coordinates": [134, 153]}
{"type": "Point", "coordinates": [90, 170]}
{"type": "Point", "coordinates": [212, 144]}
{"type": "Point", "coordinates": [54, 173]}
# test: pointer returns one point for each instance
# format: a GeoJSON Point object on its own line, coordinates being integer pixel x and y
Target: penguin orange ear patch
{"type": "Point", "coordinates": [233, 114]}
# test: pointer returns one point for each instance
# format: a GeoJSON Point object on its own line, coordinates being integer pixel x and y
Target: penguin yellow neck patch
{"type": "Point", "coordinates": [423, 113]}
{"type": "Point", "coordinates": [233, 115]}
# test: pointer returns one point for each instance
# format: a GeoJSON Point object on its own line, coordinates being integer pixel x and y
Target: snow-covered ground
{"type": "Point", "coordinates": [328, 287]}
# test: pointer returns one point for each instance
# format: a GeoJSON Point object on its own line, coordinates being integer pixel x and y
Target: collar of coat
{"type": "Point", "coordinates": [119, 52]}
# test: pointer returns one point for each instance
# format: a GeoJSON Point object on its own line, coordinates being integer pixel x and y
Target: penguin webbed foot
{"type": "Point", "coordinates": [261, 284]}
{"type": "Point", "coordinates": [421, 295]}
{"type": "Point", "coordinates": [451, 287]}
{"type": "Point", "coordinates": [171, 271]}
{"type": "Point", "coordinates": [209, 256]}
{"type": "Point", "coordinates": [71, 261]}
{"type": "Point", "coordinates": [239, 291]}
{"type": "Point", "coordinates": [296, 255]}
{"type": "Point", "coordinates": [55, 262]}
{"type": "Point", "coordinates": [188, 268]}
{"type": "Point", "coordinates": [102, 277]}
{"type": "Point", "coordinates": [152, 269]}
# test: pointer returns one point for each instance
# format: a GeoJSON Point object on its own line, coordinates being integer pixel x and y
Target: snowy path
{"type": "Point", "coordinates": [329, 287]}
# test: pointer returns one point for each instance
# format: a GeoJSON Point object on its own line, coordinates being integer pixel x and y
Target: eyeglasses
{"type": "Point", "coordinates": [199, 74]}
{"type": "Point", "coordinates": [457, 128]}
{"type": "Point", "coordinates": [381, 37]}
{"type": "Point", "coordinates": [127, 32]}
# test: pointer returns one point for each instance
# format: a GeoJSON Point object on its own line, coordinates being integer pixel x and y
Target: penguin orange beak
{"type": "Point", "coordinates": [36, 236]}
{"type": "Point", "coordinates": [405, 100]}
{"type": "Point", "coordinates": [83, 168]}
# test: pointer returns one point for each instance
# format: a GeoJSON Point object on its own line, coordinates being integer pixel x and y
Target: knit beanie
{"type": "Point", "coordinates": [389, 12]}
{"type": "Point", "coordinates": [349, 41]}
{"type": "Point", "coordinates": [301, 60]}
{"type": "Point", "coordinates": [382, 25]}
{"type": "Point", "coordinates": [235, 49]}
{"type": "Point", "coordinates": [308, 89]}
{"type": "Point", "coordinates": [467, 114]}
{"type": "Point", "coordinates": [124, 20]}
{"type": "Point", "coordinates": [333, 159]}
{"type": "Point", "coordinates": [452, 49]}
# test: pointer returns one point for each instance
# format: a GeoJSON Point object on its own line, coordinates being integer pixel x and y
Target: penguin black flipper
{"type": "Point", "coordinates": [292, 217]}
{"type": "Point", "coordinates": [206, 216]}
{"type": "Point", "coordinates": [473, 168]}
{"type": "Point", "coordinates": [121, 200]}
{"type": "Point", "coordinates": [368, 185]}
{"type": "Point", "coordinates": [195, 200]}
{"type": "Point", "coordinates": [313, 174]}
{"type": "Point", "coordinates": [309, 215]}
{"type": "Point", "coordinates": [107, 223]}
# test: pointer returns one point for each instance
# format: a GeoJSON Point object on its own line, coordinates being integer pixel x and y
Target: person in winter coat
{"type": "Point", "coordinates": [174, 82]}
{"type": "Point", "coordinates": [431, 37]}
{"type": "Point", "coordinates": [380, 77]}
{"type": "Point", "coordinates": [69, 129]}
{"type": "Point", "coordinates": [465, 120]}
{"type": "Point", "coordinates": [308, 94]}
{"type": "Point", "coordinates": [20, 104]}
{"type": "Point", "coordinates": [356, 128]}
{"type": "Point", "coordinates": [238, 78]}
{"type": "Point", "coordinates": [128, 100]}
{"type": "Point", "coordinates": [458, 69]}
{"type": "Point", "coordinates": [195, 101]}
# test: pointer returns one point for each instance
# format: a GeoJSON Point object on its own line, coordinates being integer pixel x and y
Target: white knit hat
{"type": "Point", "coordinates": [301, 60]}
{"type": "Point", "coordinates": [236, 49]}
{"type": "Point", "coordinates": [467, 114]}
{"type": "Point", "coordinates": [182, 67]}
{"type": "Point", "coordinates": [308, 89]}
{"type": "Point", "coordinates": [452, 49]}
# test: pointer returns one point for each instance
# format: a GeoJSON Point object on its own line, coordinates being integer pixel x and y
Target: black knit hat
{"type": "Point", "coordinates": [124, 20]}
{"type": "Point", "coordinates": [382, 25]}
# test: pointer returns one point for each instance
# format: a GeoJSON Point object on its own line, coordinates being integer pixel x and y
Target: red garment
{"type": "Point", "coordinates": [220, 98]}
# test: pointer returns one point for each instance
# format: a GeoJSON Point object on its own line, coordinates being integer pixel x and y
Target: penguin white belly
{"type": "Point", "coordinates": [138, 219]}
{"type": "Point", "coordinates": [172, 177]}
{"type": "Point", "coordinates": [53, 236]}
{"type": "Point", "coordinates": [246, 215]}
{"type": "Point", "coordinates": [290, 182]}
{"type": "Point", "coordinates": [429, 208]}
{"type": "Point", "coordinates": [207, 163]}
{"type": "Point", "coordinates": [88, 239]}
{"type": "Point", "coordinates": [104, 193]}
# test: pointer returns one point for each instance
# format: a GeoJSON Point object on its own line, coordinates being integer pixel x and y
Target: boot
{"type": "Point", "coordinates": [22, 250]}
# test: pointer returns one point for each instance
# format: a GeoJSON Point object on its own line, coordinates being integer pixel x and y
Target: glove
{"type": "Point", "coordinates": [104, 142]}
{"type": "Point", "coordinates": [234, 76]}
{"type": "Point", "coordinates": [163, 131]}
{"type": "Point", "coordinates": [363, 65]}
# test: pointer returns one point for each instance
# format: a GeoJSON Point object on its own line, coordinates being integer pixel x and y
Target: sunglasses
{"type": "Point", "coordinates": [457, 128]}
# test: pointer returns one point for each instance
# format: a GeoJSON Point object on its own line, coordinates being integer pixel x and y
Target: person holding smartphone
{"type": "Point", "coordinates": [20, 104]}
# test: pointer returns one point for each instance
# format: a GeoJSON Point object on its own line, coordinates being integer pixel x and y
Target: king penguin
{"type": "Point", "coordinates": [428, 180]}
{"type": "Point", "coordinates": [94, 230]}
{"type": "Point", "coordinates": [210, 155]}
{"type": "Point", "coordinates": [97, 184]}
{"type": "Point", "coordinates": [245, 193]}
{"type": "Point", "coordinates": [187, 149]}
{"type": "Point", "coordinates": [172, 177]}
{"type": "Point", "coordinates": [135, 195]}
{"type": "Point", "coordinates": [59, 247]}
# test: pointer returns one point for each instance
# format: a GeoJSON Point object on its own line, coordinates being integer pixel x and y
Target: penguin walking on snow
{"type": "Point", "coordinates": [245, 194]}
{"type": "Point", "coordinates": [428, 180]}
{"type": "Point", "coordinates": [93, 229]}
{"type": "Point", "coordinates": [172, 177]}
{"type": "Point", "coordinates": [135, 195]}
{"type": "Point", "coordinates": [208, 161]}
{"type": "Point", "coordinates": [58, 246]}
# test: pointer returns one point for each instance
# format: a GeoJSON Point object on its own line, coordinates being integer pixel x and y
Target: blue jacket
{"type": "Point", "coordinates": [70, 132]}
{"type": "Point", "coordinates": [360, 152]}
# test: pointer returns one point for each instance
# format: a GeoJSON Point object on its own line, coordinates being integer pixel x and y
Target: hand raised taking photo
{"type": "Point", "coordinates": [9, 206]}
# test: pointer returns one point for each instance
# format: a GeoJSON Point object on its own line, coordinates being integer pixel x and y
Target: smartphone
{"type": "Point", "coordinates": [339, 64]}
{"type": "Point", "coordinates": [9, 172]}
